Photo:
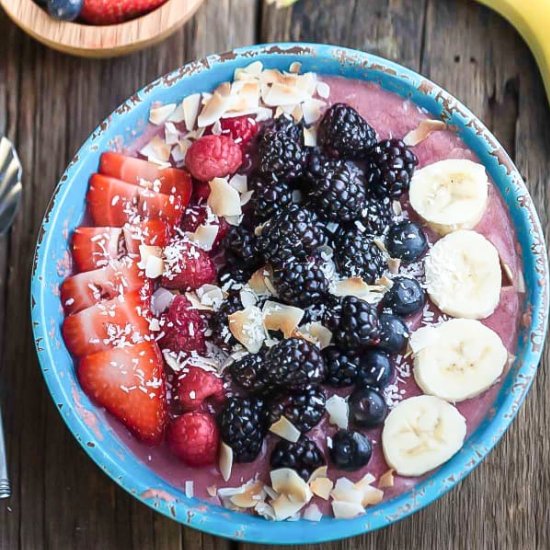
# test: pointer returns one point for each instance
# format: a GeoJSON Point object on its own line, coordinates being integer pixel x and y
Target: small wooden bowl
{"type": "Point", "coordinates": [100, 41]}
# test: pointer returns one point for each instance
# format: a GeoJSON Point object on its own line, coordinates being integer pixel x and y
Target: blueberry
{"type": "Point", "coordinates": [375, 368]}
{"type": "Point", "coordinates": [394, 333]}
{"type": "Point", "coordinates": [350, 450]}
{"type": "Point", "coordinates": [367, 407]}
{"type": "Point", "coordinates": [405, 297]}
{"type": "Point", "coordinates": [407, 241]}
{"type": "Point", "coordinates": [66, 10]}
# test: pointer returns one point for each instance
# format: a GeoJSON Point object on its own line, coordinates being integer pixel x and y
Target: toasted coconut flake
{"type": "Point", "coordinates": [355, 286]}
{"type": "Point", "coordinates": [210, 295]}
{"type": "Point", "coordinates": [386, 479]}
{"type": "Point", "coordinates": [316, 333]}
{"type": "Point", "coordinates": [285, 508]}
{"type": "Point", "coordinates": [310, 136]}
{"type": "Point", "coordinates": [157, 151]}
{"type": "Point", "coordinates": [422, 131]}
{"type": "Point", "coordinates": [226, 461]}
{"type": "Point", "coordinates": [245, 197]}
{"type": "Point", "coordinates": [191, 106]}
{"type": "Point", "coordinates": [189, 489]}
{"type": "Point", "coordinates": [367, 479]}
{"type": "Point", "coordinates": [196, 302]}
{"type": "Point", "coordinates": [247, 327]}
{"type": "Point", "coordinates": [160, 114]}
{"type": "Point", "coordinates": [248, 298]}
{"type": "Point", "coordinates": [521, 283]}
{"type": "Point", "coordinates": [371, 496]}
{"type": "Point", "coordinates": [216, 105]}
{"type": "Point", "coordinates": [234, 220]}
{"type": "Point", "coordinates": [212, 490]}
{"type": "Point", "coordinates": [507, 270]}
{"type": "Point", "coordinates": [239, 182]}
{"type": "Point", "coordinates": [346, 510]}
{"type": "Point", "coordinates": [178, 115]}
{"type": "Point", "coordinates": [253, 493]}
{"type": "Point", "coordinates": [321, 487]}
{"type": "Point", "coordinates": [258, 281]}
{"type": "Point", "coordinates": [312, 109]}
{"type": "Point", "coordinates": [147, 251]}
{"type": "Point", "coordinates": [271, 493]}
{"type": "Point", "coordinates": [281, 317]}
{"type": "Point", "coordinates": [384, 281]}
{"type": "Point", "coordinates": [312, 513]}
{"type": "Point", "coordinates": [287, 482]}
{"type": "Point", "coordinates": [397, 208]}
{"type": "Point", "coordinates": [226, 492]}
{"type": "Point", "coordinates": [393, 265]}
{"type": "Point", "coordinates": [345, 490]}
{"type": "Point", "coordinates": [338, 411]}
{"type": "Point", "coordinates": [265, 510]}
{"type": "Point", "coordinates": [295, 67]}
{"type": "Point", "coordinates": [318, 472]}
{"type": "Point", "coordinates": [171, 135]}
{"type": "Point", "coordinates": [285, 429]}
{"type": "Point", "coordinates": [422, 338]}
{"type": "Point", "coordinates": [205, 236]}
{"type": "Point", "coordinates": [323, 89]}
{"type": "Point", "coordinates": [224, 200]}
{"type": "Point", "coordinates": [250, 71]}
{"type": "Point", "coordinates": [154, 267]}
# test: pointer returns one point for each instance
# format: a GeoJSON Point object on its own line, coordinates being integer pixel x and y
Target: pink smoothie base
{"type": "Point", "coordinates": [391, 116]}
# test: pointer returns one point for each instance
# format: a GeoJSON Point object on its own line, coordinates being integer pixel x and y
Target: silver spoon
{"type": "Point", "coordinates": [10, 198]}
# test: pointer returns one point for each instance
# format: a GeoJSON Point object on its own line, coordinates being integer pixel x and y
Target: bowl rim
{"type": "Point", "coordinates": [100, 40]}
{"type": "Point", "coordinates": [243, 527]}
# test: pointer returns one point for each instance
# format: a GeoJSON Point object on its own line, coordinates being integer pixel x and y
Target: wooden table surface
{"type": "Point", "coordinates": [49, 103]}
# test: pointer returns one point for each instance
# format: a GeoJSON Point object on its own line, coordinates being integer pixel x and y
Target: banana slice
{"type": "Point", "coordinates": [461, 359]}
{"type": "Point", "coordinates": [463, 276]}
{"type": "Point", "coordinates": [450, 194]}
{"type": "Point", "coordinates": [422, 433]}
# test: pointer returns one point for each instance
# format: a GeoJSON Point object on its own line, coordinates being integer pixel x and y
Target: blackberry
{"type": "Point", "coordinates": [294, 231]}
{"type": "Point", "coordinates": [357, 255]}
{"type": "Point", "coordinates": [301, 282]}
{"type": "Point", "coordinates": [303, 408]}
{"type": "Point", "coordinates": [280, 156]}
{"type": "Point", "coordinates": [319, 165]}
{"type": "Point", "coordinates": [354, 323]}
{"type": "Point", "coordinates": [340, 193]}
{"type": "Point", "coordinates": [286, 125]}
{"type": "Point", "coordinates": [344, 133]}
{"type": "Point", "coordinates": [233, 275]}
{"type": "Point", "coordinates": [390, 167]}
{"type": "Point", "coordinates": [242, 243]}
{"type": "Point", "coordinates": [294, 364]}
{"type": "Point", "coordinates": [248, 373]}
{"type": "Point", "coordinates": [377, 215]}
{"type": "Point", "coordinates": [342, 366]}
{"type": "Point", "coordinates": [304, 456]}
{"type": "Point", "coordinates": [269, 198]}
{"type": "Point", "coordinates": [243, 427]}
{"type": "Point", "coordinates": [218, 323]}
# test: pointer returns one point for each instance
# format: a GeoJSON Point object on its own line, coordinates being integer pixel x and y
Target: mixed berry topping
{"type": "Point", "coordinates": [247, 298]}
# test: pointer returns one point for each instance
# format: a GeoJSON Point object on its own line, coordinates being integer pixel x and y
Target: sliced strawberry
{"type": "Point", "coordinates": [90, 287]}
{"type": "Point", "coordinates": [171, 181]}
{"type": "Point", "coordinates": [152, 233]}
{"type": "Point", "coordinates": [94, 247]}
{"type": "Point", "coordinates": [119, 322]}
{"type": "Point", "coordinates": [129, 383]}
{"type": "Point", "coordinates": [113, 202]}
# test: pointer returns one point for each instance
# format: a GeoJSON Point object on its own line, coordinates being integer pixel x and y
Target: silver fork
{"type": "Point", "coordinates": [10, 199]}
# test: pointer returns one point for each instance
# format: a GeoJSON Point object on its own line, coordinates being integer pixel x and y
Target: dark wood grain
{"type": "Point", "coordinates": [49, 103]}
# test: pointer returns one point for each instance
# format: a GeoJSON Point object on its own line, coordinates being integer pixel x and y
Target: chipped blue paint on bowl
{"type": "Point", "coordinates": [66, 210]}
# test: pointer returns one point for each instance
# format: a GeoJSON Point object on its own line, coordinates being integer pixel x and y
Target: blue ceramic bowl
{"type": "Point", "coordinates": [66, 210]}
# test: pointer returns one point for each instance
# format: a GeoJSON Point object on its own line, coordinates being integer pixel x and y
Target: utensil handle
{"type": "Point", "coordinates": [5, 489]}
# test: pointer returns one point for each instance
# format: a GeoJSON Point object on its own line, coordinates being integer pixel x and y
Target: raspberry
{"type": "Point", "coordinates": [195, 385]}
{"type": "Point", "coordinates": [182, 328]}
{"type": "Point", "coordinates": [240, 129]}
{"type": "Point", "coordinates": [198, 215]}
{"type": "Point", "coordinates": [194, 438]}
{"type": "Point", "coordinates": [201, 191]}
{"type": "Point", "coordinates": [213, 157]}
{"type": "Point", "coordinates": [186, 266]}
